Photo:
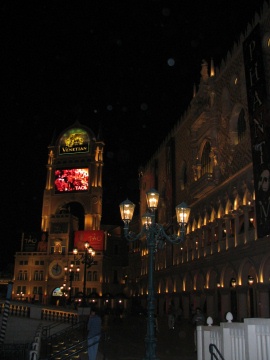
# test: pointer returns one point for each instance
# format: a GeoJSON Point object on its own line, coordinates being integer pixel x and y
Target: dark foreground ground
{"type": "Point", "coordinates": [126, 340]}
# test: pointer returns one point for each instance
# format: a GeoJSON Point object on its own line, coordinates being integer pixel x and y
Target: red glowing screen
{"type": "Point", "coordinates": [94, 237]}
{"type": "Point", "coordinates": [71, 180]}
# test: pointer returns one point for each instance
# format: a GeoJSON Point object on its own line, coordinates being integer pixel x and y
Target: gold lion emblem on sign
{"type": "Point", "coordinates": [74, 140]}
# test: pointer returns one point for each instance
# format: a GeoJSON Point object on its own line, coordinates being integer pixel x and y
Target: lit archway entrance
{"type": "Point", "coordinates": [58, 298]}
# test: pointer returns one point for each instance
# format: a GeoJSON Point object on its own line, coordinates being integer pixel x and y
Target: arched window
{"type": "Point", "coordinates": [20, 276]}
{"type": "Point", "coordinates": [206, 160]}
{"type": "Point", "coordinates": [76, 276]}
{"type": "Point", "coordinates": [89, 276]}
{"type": "Point", "coordinates": [36, 275]}
{"type": "Point", "coordinates": [94, 275]}
{"type": "Point", "coordinates": [241, 125]}
{"type": "Point", "coordinates": [41, 275]}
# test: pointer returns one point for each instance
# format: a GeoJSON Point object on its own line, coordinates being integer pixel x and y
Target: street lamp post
{"type": "Point", "coordinates": [64, 292]}
{"type": "Point", "coordinates": [87, 258]}
{"type": "Point", "coordinates": [70, 274]}
{"type": "Point", "coordinates": [20, 296]}
{"type": "Point", "coordinates": [155, 237]}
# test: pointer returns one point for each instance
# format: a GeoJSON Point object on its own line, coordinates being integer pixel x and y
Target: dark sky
{"type": "Point", "coordinates": [127, 65]}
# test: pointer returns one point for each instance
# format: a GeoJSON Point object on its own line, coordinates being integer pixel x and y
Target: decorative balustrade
{"type": "Point", "coordinates": [39, 312]}
{"type": "Point", "coordinates": [22, 310]}
{"type": "Point", "coordinates": [55, 315]}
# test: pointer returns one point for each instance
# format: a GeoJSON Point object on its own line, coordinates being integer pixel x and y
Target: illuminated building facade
{"type": "Point", "coordinates": [217, 160]}
{"type": "Point", "coordinates": [71, 215]}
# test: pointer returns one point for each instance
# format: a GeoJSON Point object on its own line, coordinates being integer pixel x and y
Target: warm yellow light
{"type": "Point", "coordinates": [146, 219]}
{"type": "Point", "coordinates": [126, 210]}
{"type": "Point", "coordinates": [91, 251]}
{"type": "Point", "coordinates": [233, 282]}
{"type": "Point", "coordinates": [152, 198]}
{"type": "Point", "coordinates": [182, 213]}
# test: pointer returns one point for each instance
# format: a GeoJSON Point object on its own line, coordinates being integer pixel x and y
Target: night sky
{"type": "Point", "coordinates": [127, 67]}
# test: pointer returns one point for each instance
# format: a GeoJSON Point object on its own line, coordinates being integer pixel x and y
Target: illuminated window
{"type": "Point", "coordinates": [58, 247]}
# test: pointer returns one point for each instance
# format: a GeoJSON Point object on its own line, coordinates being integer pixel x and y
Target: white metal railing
{"type": "Point", "coordinates": [248, 340]}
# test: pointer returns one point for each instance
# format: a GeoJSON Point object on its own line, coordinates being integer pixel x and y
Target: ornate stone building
{"type": "Point", "coordinates": [217, 160]}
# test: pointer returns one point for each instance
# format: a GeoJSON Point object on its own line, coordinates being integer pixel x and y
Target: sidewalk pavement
{"type": "Point", "coordinates": [126, 340]}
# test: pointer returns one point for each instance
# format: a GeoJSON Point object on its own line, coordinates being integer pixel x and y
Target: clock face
{"type": "Point", "coordinates": [56, 269]}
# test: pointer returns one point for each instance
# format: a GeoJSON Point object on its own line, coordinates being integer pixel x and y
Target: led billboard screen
{"type": "Point", "coordinates": [71, 180]}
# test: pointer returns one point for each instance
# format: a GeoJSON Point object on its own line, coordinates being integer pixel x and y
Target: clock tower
{"type": "Point", "coordinates": [73, 186]}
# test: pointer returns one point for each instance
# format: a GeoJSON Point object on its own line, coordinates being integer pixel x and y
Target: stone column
{"type": "Point", "coordinates": [229, 238]}
{"type": "Point", "coordinates": [221, 240]}
{"type": "Point", "coordinates": [200, 243]}
{"type": "Point", "coordinates": [225, 302]}
{"type": "Point", "coordinates": [210, 301]}
{"type": "Point", "coordinates": [242, 302]}
{"type": "Point", "coordinates": [186, 305]}
{"type": "Point", "coordinates": [246, 209]}
{"type": "Point", "coordinates": [262, 291]}
{"type": "Point", "coordinates": [236, 227]}
{"type": "Point", "coordinates": [206, 240]}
